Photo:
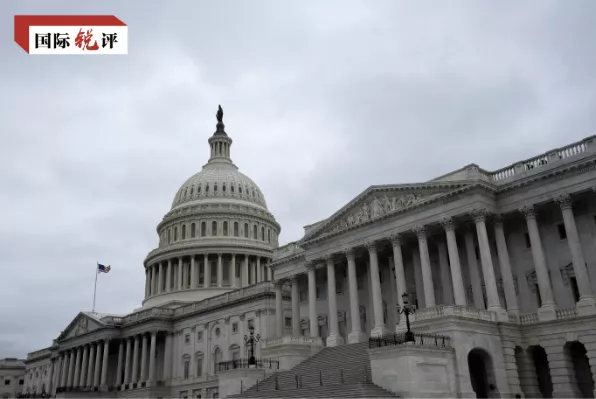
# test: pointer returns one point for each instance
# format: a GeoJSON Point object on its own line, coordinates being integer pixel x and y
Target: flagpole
{"type": "Point", "coordinates": [95, 288]}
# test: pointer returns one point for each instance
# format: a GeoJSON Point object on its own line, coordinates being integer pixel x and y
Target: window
{"type": "Point", "coordinates": [254, 232]}
{"type": "Point", "coordinates": [339, 287]}
{"type": "Point", "coordinates": [187, 339]}
{"type": "Point", "coordinates": [203, 229]}
{"type": "Point", "coordinates": [183, 231]}
{"type": "Point", "coordinates": [235, 229]}
{"type": "Point", "coordinates": [225, 228]}
{"type": "Point", "coordinates": [528, 242]}
{"type": "Point", "coordinates": [169, 235]}
{"type": "Point", "coordinates": [268, 236]}
{"type": "Point", "coordinates": [262, 233]}
{"type": "Point", "coordinates": [192, 190]}
{"type": "Point", "coordinates": [251, 323]}
{"type": "Point", "coordinates": [193, 229]}
{"type": "Point", "coordinates": [176, 233]}
{"type": "Point", "coordinates": [245, 230]}
{"type": "Point", "coordinates": [217, 332]}
{"type": "Point", "coordinates": [199, 366]}
{"type": "Point", "coordinates": [6, 382]}
{"type": "Point", "coordinates": [574, 288]}
{"type": "Point", "coordinates": [199, 189]}
{"type": "Point", "coordinates": [234, 328]}
{"type": "Point", "coordinates": [303, 295]}
{"type": "Point", "coordinates": [207, 188]}
{"type": "Point", "coordinates": [213, 228]}
{"type": "Point", "coordinates": [562, 231]}
{"type": "Point", "coordinates": [321, 292]}
{"type": "Point", "coordinates": [199, 335]}
{"type": "Point", "coordinates": [288, 322]}
{"type": "Point", "coordinates": [232, 188]}
{"type": "Point", "coordinates": [21, 382]}
{"type": "Point", "coordinates": [223, 187]}
{"type": "Point", "coordinates": [214, 187]}
{"type": "Point", "coordinates": [186, 368]}
{"type": "Point", "coordinates": [240, 189]}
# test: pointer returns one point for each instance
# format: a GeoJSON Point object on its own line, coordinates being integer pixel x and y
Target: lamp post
{"type": "Point", "coordinates": [407, 310]}
{"type": "Point", "coordinates": [251, 340]}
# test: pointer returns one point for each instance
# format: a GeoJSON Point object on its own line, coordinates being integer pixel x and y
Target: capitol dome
{"type": "Point", "coordinates": [218, 235]}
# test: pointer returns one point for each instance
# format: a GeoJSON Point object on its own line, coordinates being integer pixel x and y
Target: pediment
{"type": "Point", "coordinates": [82, 324]}
{"type": "Point", "coordinates": [378, 202]}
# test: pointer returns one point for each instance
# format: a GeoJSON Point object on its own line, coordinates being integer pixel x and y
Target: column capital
{"type": "Point", "coordinates": [349, 253]}
{"type": "Point", "coordinates": [448, 223]}
{"type": "Point", "coordinates": [278, 283]}
{"type": "Point", "coordinates": [328, 260]}
{"type": "Point", "coordinates": [564, 201]}
{"type": "Point", "coordinates": [310, 266]}
{"type": "Point", "coordinates": [479, 214]}
{"type": "Point", "coordinates": [420, 231]}
{"type": "Point", "coordinates": [371, 246]}
{"type": "Point", "coordinates": [242, 317]}
{"type": "Point", "coordinates": [219, 254]}
{"type": "Point", "coordinates": [528, 211]}
{"type": "Point", "coordinates": [498, 219]}
{"type": "Point", "coordinates": [294, 279]}
{"type": "Point", "coordinates": [395, 239]}
{"type": "Point", "coordinates": [227, 320]}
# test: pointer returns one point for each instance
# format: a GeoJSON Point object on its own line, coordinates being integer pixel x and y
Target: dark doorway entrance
{"type": "Point", "coordinates": [481, 373]}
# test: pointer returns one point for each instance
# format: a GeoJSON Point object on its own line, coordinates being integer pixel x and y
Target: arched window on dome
{"type": "Point", "coordinates": [206, 188]}
{"type": "Point", "coordinates": [263, 233]}
{"type": "Point", "coordinates": [183, 231]}
{"type": "Point", "coordinates": [254, 232]}
{"type": "Point", "coordinates": [225, 228]}
{"type": "Point", "coordinates": [214, 187]}
{"type": "Point", "coordinates": [239, 189]}
{"type": "Point", "coordinates": [176, 233]}
{"type": "Point", "coordinates": [269, 236]}
{"type": "Point", "coordinates": [203, 229]}
{"type": "Point", "coordinates": [199, 189]}
{"type": "Point", "coordinates": [193, 229]}
{"type": "Point", "coordinates": [169, 235]}
{"type": "Point", "coordinates": [232, 188]}
{"type": "Point", "coordinates": [192, 190]}
{"type": "Point", "coordinates": [235, 228]}
{"type": "Point", "coordinates": [223, 187]}
{"type": "Point", "coordinates": [214, 228]}
{"type": "Point", "coordinates": [185, 192]}
{"type": "Point", "coordinates": [245, 230]}
{"type": "Point", "coordinates": [253, 193]}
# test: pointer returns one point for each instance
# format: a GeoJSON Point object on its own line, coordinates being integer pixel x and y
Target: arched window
{"type": "Point", "coordinates": [199, 189]}
{"type": "Point", "coordinates": [263, 233]}
{"type": "Point", "coordinates": [169, 235]}
{"type": "Point", "coordinates": [225, 228]}
{"type": "Point", "coordinates": [192, 190]}
{"type": "Point", "coordinates": [214, 187]}
{"type": "Point", "coordinates": [235, 229]}
{"type": "Point", "coordinates": [193, 229]}
{"type": "Point", "coordinates": [240, 189]}
{"type": "Point", "coordinates": [206, 187]}
{"type": "Point", "coordinates": [245, 230]}
{"type": "Point", "coordinates": [214, 228]}
{"type": "Point", "coordinates": [268, 235]}
{"type": "Point", "coordinates": [232, 187]}
{"type": "Point", "coordinates": [186, 364]}
{"type": "Point", "coordinates": [176, 233]}
{"type": "Point", "coordinates": [254, 232]}
{"type": "Point", "coordinates": [223, 187]}
{"type": "Point", "coordinates": [216, 359]}
{"type": "Point", "coordinates": [183, 231]}
{"type": "Point", "coordinates": [203, 229]}
{"type": "Point", "coordinates": [185, 192]}
{"type": "Point", "coordinates": [199, 362]}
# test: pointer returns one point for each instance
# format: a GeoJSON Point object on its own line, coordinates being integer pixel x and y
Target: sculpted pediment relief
{"type": "Point", "coordinates": [82, 324]}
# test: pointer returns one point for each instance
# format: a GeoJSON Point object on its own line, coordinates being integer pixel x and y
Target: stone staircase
{"type": "Point", "coordinates": [337, 372]}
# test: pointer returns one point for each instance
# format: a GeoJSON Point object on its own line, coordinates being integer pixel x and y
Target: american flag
{"type": "Point", "coordinates": [103, 269]}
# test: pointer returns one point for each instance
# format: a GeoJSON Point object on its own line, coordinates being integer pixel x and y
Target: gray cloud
{"type": "Point", "coordinates": [322, 100]}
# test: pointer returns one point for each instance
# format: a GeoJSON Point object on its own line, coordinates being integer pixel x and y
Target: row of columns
{"type": "Point", "coordinates": [173, 274]}
{"type": "Point", "coordinates": [84, 366]}
{"type": "Point", "coordinates": [132, 359]}
{"type": "Point", "coordinates": [452, 270]}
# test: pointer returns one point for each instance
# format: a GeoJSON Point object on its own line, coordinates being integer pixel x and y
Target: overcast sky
{"type": "Point", "coordinates": [322, 99]}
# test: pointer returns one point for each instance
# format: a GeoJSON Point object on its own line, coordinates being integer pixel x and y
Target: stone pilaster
{"type": "Point", "coordinates": [561, 370]}
{"type": "Point", "coordinates": [295, 307]}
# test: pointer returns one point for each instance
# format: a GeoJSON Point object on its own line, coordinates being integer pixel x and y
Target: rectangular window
{"type": "Point", "coordinates": [321, 292]}
{"type": "Point", "coordinates": [186, 368]}
{"type": "Point", "coordinates": [528, 242]}
{"type": "Point", "coordinates": [6, 382]}
{"type": "Point", "coordinates": [303, 295]}
{"type": "Point", "coordinates": [562, 231]}
{"type": "Point", "coordinates": [21, 382]}
{"type": "Point", "coordinates": [288, 321]}
{"type": "Point", "coordinates": [199, 335]}
{"type": "Point", "coordinates": [187, 339]}
{"type": "Point", "coordinates": [574, 288]}
{"type": "Point", "coordinates": [234, 328]}
{"type": "Point", "coordinates": [199, 367]}
{"type": "Point", "coordinates": [251, 323]}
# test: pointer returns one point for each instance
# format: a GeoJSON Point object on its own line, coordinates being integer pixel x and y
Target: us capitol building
{"type": "Point", "coordinates": [500, 266]}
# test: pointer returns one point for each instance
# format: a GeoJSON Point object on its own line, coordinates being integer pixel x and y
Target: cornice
{"type": "Point", "coordinates": [289, 259]}
{"type": "Point", "coordinates": [173, 251]}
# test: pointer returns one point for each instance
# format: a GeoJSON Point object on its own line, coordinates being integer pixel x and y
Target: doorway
{"type": "Point", "coordinates": [482, 373]}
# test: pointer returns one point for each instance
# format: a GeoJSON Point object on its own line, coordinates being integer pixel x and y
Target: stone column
{"type": "Point", "coordinates": [279, 318]}
{"type": "Point", "coordinates": [193, 272]}
{"type": "Point", "coordinates": [259, 274]}
{"type": "Point", "coordinates": [379, 328]}
{"type": "Point", "coordinates": [135, 360]}
{"type": "Point", "coordinates": [71, 367]}
{"type": "Point", "coordinates": [97, 367]}
{"type": "Point", "coordinates": [506, 275]}
{"type": "Point", "coordinates": [84, 366]}
{"type": "Point", "coordinates": [144, 350]}
{"type": "Point", "coordinates": [356, 335]}
{"type": "Point", "coordinates": [120, 363]}
{"type": "Point", "coordinates": [561, 371]}
{"type": "Point", "coordinates": [400, 275]}
{"type": "Point", "coordinates": [334, 338]}
{"type": "Point", "coordinates": [312, 301]}
{"type": "Point", "coordinates": [233, 272]}
{"type": "Point", "coordinates": [459, 290]}
{"type": "Point", "coordinates": [64, 376]}
{"type": "Point", "coordinates": [127, 364]}
{"type": "Point", "coordinates": [169, 276]}
{"type": "Point", "coordinates": [245, 281]}
{"type": "Point", "coordinates": [104, 366]}
{"type": "Point", "coordinates": [77, 370]}
{"type": "Point", "coordinates": [207, 282]}
{"type": "Point", "coordinates": [180, 283]}
{"type": "Point", "coordinates": [90, 366]}
{"type": "Point", "coordinates": [419, 300]}
{"type": "Point", "coordinates": [51, 382]}
{"type": "Point", "coordinates": [448, 298]}
{"type": "Point", "coordinates": [295, 307]}
{"type": "Point", "coordinates": [587, 301]}
{"type": "Point", "coordinates": [490, 282]}
{"type": "Point", "coordinates": [547, 310]}
{"type": "Point", "coordinates": [219, 271]}
{"type": "Point", "coordinates": [147, 283]}
{"type": "Point", "coordinates": [152, 357]}
{"type": "Point", "coordinates": [473, 269]}
{"type": "Point", "coordinates": [427, 276]}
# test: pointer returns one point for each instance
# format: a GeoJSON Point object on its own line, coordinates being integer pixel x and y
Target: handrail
{"type": "Point", "coordinates": [245, 364]}
{"type": "Point", "coordinates": [423, 339]}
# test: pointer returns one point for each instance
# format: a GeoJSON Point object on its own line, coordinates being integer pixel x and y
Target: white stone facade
{"type": "Point", "coordinates": [503, 262]}
{"type": "Point", "coordinates": [12, 377]}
